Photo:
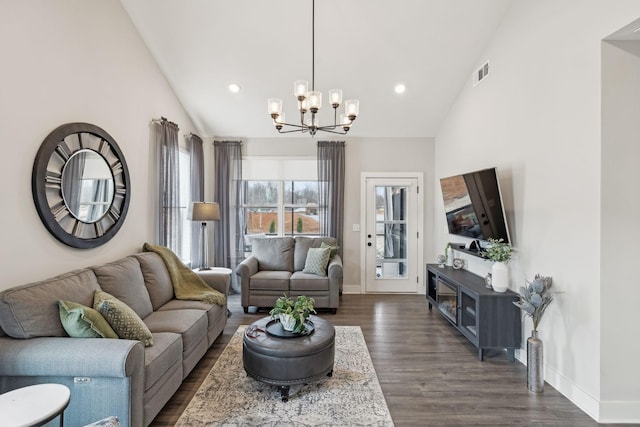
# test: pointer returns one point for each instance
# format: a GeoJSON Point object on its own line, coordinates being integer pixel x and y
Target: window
{"type": "Point", "coordinates": [281, 208]}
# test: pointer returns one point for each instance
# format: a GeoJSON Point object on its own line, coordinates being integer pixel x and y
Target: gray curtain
{"type": "Point", "coordinates": [169, 230]}
{"type": "Point", "coordinates": [331, 189]}
{"type": "Point", "coordinates": [194, 146]}
{"type": "Point", "coordinates": [228, 193]}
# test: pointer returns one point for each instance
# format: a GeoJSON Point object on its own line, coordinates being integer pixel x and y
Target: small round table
{"type": "Point", "coordinates": [284, 362]}
{"type": "Point", "coordinates": [34, 405]}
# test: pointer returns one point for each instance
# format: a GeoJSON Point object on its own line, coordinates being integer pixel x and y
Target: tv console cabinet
{"type": "Point", "coordinates": [487, 318]}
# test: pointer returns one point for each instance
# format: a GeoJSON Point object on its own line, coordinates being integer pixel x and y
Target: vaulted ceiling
{"type": "Point", "coordinates": [364, 47]}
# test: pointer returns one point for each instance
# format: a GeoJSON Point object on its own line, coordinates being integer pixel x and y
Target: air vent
{"type": "Point", "coordinates": [481, 73]}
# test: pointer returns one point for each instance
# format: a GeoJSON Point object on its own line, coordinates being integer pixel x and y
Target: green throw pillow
{"type": "Point", "coordinates": [317, 260]}
{"type": "Point", "coordinates": [83, 322]}
{"type": "Point", "coordinates": [334, 249]}
{"type": "Point", "coordinates": [127, 324]}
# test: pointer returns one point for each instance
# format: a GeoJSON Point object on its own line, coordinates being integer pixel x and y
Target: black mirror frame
{"type": "Point", "coordinates": [43, 181]}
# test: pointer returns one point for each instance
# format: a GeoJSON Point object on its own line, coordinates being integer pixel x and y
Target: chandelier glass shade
{"type": "Point", "coordinates": [310, 101]}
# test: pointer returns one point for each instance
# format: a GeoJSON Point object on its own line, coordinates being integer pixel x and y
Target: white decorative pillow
{"type": "Point", "coordinates": [317, 261]}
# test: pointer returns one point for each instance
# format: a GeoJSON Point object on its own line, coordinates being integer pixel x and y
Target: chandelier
{"type": "Point", "coordinates": [311, 101]}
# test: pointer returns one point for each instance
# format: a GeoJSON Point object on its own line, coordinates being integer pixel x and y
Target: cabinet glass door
{"type": "Point", "coordinates": [468, 317]}
{"type": "Point", "coordinates": [447, 297]}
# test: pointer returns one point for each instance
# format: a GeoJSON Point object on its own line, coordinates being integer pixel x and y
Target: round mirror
{"type": "Point", "coordinates": [80, 185]}
{"type": "Point", "coordinates": [87, 186]}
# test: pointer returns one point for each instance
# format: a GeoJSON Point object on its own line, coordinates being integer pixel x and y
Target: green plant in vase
{"type": "Point", "coordinates": [498, 251]}
{"type": "Point", "coordinates": [293, 313]}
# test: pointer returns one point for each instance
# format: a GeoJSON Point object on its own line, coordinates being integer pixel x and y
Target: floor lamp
{"type": "Point", "coordinates": [203, 211]}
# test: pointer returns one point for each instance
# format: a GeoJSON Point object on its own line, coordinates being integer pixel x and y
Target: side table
{"type": "Point", "coordinates": [34, 405]}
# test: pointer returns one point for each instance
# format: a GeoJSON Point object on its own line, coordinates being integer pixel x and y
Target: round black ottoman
{"type": "Point", "coordinates": [284, 362]}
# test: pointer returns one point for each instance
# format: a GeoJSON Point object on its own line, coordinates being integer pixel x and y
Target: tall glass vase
{"type": "Point", "coordinates": [535, 374]}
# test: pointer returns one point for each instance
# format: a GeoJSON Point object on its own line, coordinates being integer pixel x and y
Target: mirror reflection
{"type": "Point", "coordinates": [87, 186]}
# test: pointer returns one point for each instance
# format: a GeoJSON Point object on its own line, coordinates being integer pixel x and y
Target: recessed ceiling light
{"type": "Point", "coordinates": [400, 88]}
{"type": "Point", "coordinates": [234, 87]}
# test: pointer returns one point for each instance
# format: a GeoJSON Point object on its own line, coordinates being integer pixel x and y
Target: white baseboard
{"type": "Point", "coordinates": [351, 289]}
{"type": "Point", "coordinates": [609, 412]}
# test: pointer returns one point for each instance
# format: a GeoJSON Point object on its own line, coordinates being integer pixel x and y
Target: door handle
{"type": "Point", "coordinates": [369, 244]}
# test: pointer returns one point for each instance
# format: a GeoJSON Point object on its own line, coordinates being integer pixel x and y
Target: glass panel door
{"type": "Point", "coordinates": [391, 237]}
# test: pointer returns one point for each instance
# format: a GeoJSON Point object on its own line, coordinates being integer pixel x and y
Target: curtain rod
{"type": "Point", "coordinates": [163, 119]}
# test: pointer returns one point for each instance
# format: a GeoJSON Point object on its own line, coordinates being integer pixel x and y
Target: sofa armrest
{"type": "Point", "coordinates": [75, 357]}
{"type": "Point", "coordinates": [334, 269]}
{"type": "Point", "coordinates": [105, 376]}
{"type": "Point", "coordinates": [218, 281]}
{"type": "Point", "coordinates": [335, 273]}
{"type": "Point", "coordinates": [247, 268]}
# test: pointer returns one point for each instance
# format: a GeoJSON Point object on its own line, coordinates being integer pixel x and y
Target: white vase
{"type": "Point", "coordinates": [500, 276]}
{"type": "Point", "coordinates": [288, 322]}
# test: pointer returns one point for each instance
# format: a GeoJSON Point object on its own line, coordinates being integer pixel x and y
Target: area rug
{"type": "Point", "coordinates": [351, 397]}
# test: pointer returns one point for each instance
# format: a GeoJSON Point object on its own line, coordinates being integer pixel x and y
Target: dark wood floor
{"type": "Point", "coordinates": [429, 373]}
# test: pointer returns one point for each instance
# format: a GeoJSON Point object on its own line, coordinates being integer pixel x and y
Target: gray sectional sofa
{"type": "Point", "coordinates": [107, 376]}
{"type": "Point", "coordinates": [276, 266]}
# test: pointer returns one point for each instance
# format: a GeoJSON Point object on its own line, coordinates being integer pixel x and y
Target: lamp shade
{"type": "Point", "coordinates": [203, 211]}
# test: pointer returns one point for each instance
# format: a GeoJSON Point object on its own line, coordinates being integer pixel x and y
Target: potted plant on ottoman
{"type": "Point", "coordinates": [293, 314]}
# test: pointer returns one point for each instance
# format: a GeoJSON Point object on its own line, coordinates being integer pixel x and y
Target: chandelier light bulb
{"type": "Point", "coordinates": [315, 101]}
{"type": "Point", "coordinates": [274, 106]}
{"type": "Point", "coordinates": [335, 97]}
{"type": "Point", "coordinates": [303, 105]}
{"type": "Point", "coordinates": [300, 89]}
{"type": "Point", "coordinates": [345, 122]}
{"type": "Point", "coordinates": [352, 108]}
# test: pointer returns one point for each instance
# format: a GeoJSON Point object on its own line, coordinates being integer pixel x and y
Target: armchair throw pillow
{"type": "Point", "coordinates": [317, 261]}
{"type": "Point", "coordinates": [334, 249]}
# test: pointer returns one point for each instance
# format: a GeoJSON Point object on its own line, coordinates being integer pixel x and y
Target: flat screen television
{"type": "Point", "coordinates": [473, 205]}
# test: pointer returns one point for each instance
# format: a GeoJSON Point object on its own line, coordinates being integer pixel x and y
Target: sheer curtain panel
{"type": "Point", "coordinates": [228, 193]}
{"type": "Point", "coordinates": [194, 146]}
{"type": "Point", "coordinates": [169, 229]}
{"type": "Point", "coordinates": [331, 189]}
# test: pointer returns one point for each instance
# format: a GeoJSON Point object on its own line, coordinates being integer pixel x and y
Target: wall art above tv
{"type": "Point", "coordinates": [473, 205]}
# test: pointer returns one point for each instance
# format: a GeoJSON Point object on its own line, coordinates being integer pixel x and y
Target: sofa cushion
{"type": "Point", "coordinates": [301, 282]}
{"type": "Point", "coordinates": [31, 310]}
{"type": "Point", "coordinates": [302, 247]}
{"type": "Point", "coordinates": [317, 260]}
{"type": "Point", "coordinates": [274, 254]}
{"type": "Point", "coordinates": [124, 321]}
{"type": "Point", "coordinates": [191, 324]}
{"type": "Point", "coordinates": [83, 322]}
{"type": "Point", "coordinates": [270, 280]}
{"type": "Point", "coordinates": [124, 280]}
{"type": "Point", "coordinates": [156, 278]}
{"type": "Point", "coordinates": [159, 359]}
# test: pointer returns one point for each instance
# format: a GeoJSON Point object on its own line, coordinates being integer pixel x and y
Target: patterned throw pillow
{"type": "Point", "coordinates": [317, 260]}
{"type": "Point", "coordinates": [334, 249]}
{"type": "Point", "coordinates": [80, 321]}
{"type": "Point", "coordinates": [124, 321]}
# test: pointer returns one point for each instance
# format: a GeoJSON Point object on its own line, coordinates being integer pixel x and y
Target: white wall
{"type": "Point", "coordinates": [537, 119]}
{"type": "Point", "coordinates": [620, 212]}
{"type": "Point", "coordinates": [362, 155]}
{"type": "Point", "coordinates": [73, 61]}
